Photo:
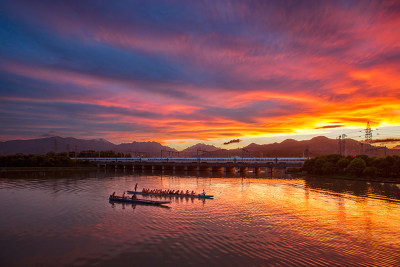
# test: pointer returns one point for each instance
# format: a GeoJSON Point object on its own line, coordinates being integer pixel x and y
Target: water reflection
{"type": "Point", "coordinates": [65, 217]}
{"type": "Point", "coordinates": [384, 191]}
{"type": "Point", "coordinates": [133, 205]}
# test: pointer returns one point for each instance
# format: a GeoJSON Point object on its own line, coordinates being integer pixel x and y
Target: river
{"type": "Point", "coordinates": [51, 218]}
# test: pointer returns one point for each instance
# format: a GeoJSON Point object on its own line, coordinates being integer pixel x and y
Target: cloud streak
{"type": "Point", "coordinates": [211, 70]}
{"type": "Point", "coordinates": [232, 141]}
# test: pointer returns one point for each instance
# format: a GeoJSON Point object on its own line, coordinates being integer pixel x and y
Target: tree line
{"type": "Point", "coordinates": [49, 160]}
{"type": "Point", "coordinates": [99, 154]}
{"type": "Point", "coordinates": [358, 166]}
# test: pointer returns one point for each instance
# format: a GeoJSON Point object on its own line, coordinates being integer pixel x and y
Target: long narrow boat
{"type": "Point", "coordinates": [169, 195]}
{"type": "Point", "coordinates": [138, 201]}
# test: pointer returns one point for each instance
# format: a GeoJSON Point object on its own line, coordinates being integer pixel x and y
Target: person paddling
{"type": "Point", "coordinates": [136, 186]}
{"type": "Point", "coordinates": [204, 192]}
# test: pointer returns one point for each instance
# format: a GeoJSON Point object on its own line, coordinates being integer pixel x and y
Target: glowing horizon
{"type": "Point", "coordinates": [182, 73]}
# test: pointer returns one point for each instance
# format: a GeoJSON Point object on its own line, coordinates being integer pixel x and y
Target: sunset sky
{"type": "Point", "coordinates": [183, 72]}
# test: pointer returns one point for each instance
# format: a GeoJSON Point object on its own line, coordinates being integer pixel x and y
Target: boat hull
{"type": "Point", "coordinates": [139, 201]}
{"type": "Point", "coordinates": [170, 195]}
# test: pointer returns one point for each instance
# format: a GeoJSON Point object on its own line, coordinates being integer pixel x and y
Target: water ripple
{"type": "Point", "coordinates": [49, 218]}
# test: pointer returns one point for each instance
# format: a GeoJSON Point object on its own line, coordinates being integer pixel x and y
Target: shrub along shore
{"type": "Point", "coordinates": [49, 160]}
{"type": "Point", "coordinates": [360, 166]}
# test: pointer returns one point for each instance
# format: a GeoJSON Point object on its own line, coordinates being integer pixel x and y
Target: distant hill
{"type": "Point", "coordinates": [53, 144]}
{"type": "Point", "coordinates": [291, 148]}
{"type": "Point", "coordinates": [198, 149]}
{"type": "Point", "coordinates": [288, 148]}
{"type": "Point", "coordinates": [60, 144]}
{"type": "Point", "coordinates": [144, 149]}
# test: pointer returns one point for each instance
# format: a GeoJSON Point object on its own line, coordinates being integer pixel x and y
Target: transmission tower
{"type": "Point", "coordinates": [368, 134]}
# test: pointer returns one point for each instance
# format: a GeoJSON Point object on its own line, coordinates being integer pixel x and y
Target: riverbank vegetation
{"type": "Point", "coordinates": [355, 166]}
{"type": "Point", "coordinates": [48, 160]}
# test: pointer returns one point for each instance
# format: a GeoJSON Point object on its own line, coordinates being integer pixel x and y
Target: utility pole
{"type": "Point", "coordinates": [342, 144]}
{"type": "Point", "coordinates": [306, 152]}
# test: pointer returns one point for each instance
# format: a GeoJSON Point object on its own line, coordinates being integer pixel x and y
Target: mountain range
{"type": "Point", "coordinates": [59, 144]}
{"type": "Point", "coordinates": [288, 148]}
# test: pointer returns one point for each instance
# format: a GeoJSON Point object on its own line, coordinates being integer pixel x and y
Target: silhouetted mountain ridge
{"type": "Point", "coordinates": [60, 144]}
{"type": "Point", "coordinates": [197, 149]}
{"type": "Point", "coordinates": [288, 148]}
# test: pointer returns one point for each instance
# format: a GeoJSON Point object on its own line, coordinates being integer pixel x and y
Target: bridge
{"type": "Point", "coordinates": [234, 164]}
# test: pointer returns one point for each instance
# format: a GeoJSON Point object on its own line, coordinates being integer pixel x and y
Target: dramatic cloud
{"type": "Point", "coordinates": [329, 126]}
{"type": "Point", "coordinates": [232, 141]}
{"type": "Point", "coordinates": [187, 70]}
{"type": "Point", "coordinates": [386, 140]}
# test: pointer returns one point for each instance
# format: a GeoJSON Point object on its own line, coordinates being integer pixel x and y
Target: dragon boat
{"type": "Point", "coordinates": [171, 195]}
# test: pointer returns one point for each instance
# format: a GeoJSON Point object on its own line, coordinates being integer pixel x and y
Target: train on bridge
{"type": "Point", "coordinates": [199, 160]}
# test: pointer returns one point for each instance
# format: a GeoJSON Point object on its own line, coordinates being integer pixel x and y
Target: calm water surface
{"type": "Point", "coordinates": [65, 218]}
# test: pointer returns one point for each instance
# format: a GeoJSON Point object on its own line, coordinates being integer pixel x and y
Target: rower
{"type": "Point", "coordinates": [136, 186]}
{"type": "Point", "coordinates": [134, 196]}
{"type": "Point", "coordinates": [113, 194]}
{"type": "Point", "coordinates": [204, 192]}
{"type": "Point", "coordinates": [123, 195]}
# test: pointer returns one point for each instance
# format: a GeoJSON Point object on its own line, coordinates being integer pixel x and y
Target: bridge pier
{"type": "Point", "coordinates": [179, 168]}
{"type": "Point", "coordinates": [244, 169]}
{"type": "Point", "coordinates": [168, 168]}
{"type": "Point", "coordinates": [156, 167]}
{"type": "Point", "coordinates": [278, 171]}
{"type": "Point", "coordinates": [190, 168]}
{"type": "Point", "coordinates": [229, 169]}
{"type": "Point", "coordinates": [203, 168]}
{"type": "Point", "coordinates": [139, 167]}
{"type": "Point", "coordinates": [216, 169]}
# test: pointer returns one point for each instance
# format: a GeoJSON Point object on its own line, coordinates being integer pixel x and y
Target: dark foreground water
{"type": "Point", "coordinates": [65, 218]}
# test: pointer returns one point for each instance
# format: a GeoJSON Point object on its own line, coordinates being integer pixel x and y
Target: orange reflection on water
{"type": "Point", "coordinates": [368, 222]}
